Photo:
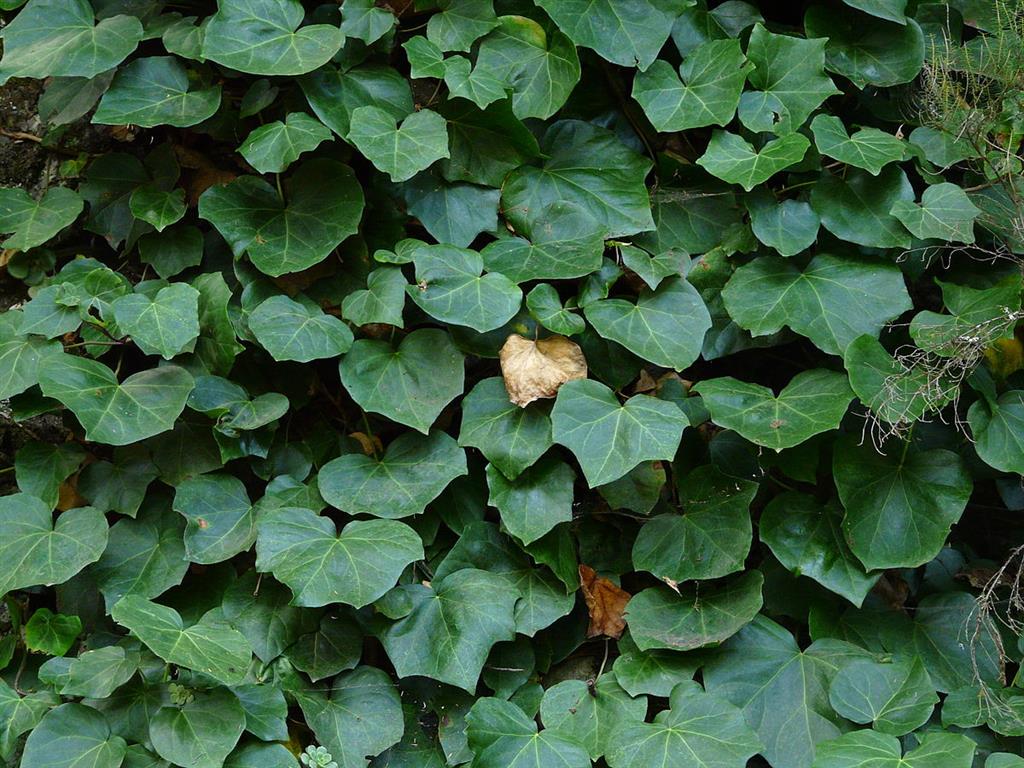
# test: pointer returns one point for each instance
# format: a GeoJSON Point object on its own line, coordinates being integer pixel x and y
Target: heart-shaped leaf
{"type": "Point", "coordinates": [145, 404]}
{"type": "Point", "coordinates": [271, 148]}
{"type": "Point", "coordinates": [665, 326]}
{"type": "Point", "coordinates": [155, 91]}
{"type": "Point", "coordinates": [536, 501]}
{"type": "Point", "coordinates": [452, 625]}
{"type": "Point", "coordinates": [733, 159]}
{"type": "Point", "coordinates": [566, 243]}
{"type": "Point", "coordinates": [945, 213]}
{"type": "Point", "coordinates": [546, 308]}
{"type": "Point", "coordinates": [900, 505]}
{"type": "Point", "coordinates": [500, 734]}
{"type": "Point", "coordinates": [33, 222]}
{"type": "Point", "coordinates": [70, 734]}
{"type": "Point", "coordinates": [812, 403]}
{"type": "Point", "coordinates": [210, 645]}
{"type": "Point", "coordinates": [895, 697]}
{"type": "Point", "coordinates": [59, 38]}
{"type": "Point", "coordinates": [36, 549]}
{"type": "Point", "coordinates": [698, 729]}
{"type": "Point", "coordinates": [450, 287]}
{"type": "Point", "coordinates": [831, 301]}
{"type": "Point", "coordinates": [323, 206]}
{"type": "Point", "coordinates": [21, 356]}
{"type": "Point", "coordinates": [510, 437]}
{"type": "Point", "coordinates": [157, 207]}
{"type": "Point", "coordinates": [694, 616]}
{"type": "Point", "coordinates": [411, 384]}
{"type": "Point", "coordinates": [263, 37]}
{"type": "Point", "coordinates": [609, 438]}
{"type": "Point", "coordinates": [413, 472]}
{"type": "Point", "coordinates": [334, 93]}
{"type": "Point", "coordinates": [789, 226]}
{"type": "Point", "coordinates": [705, 92]}
{"type": "Point", "coordinates": [219, 517]}
{"type": "Point", "coordinates": [381, 302]}
{"type": "Point", "coordinates": [202, 732]}
{"type": "Point", "coordinates": [355, 567]}
{"type": "Point", "coordinates": [539, 64]}
{"type": "Point", "coordinates": [401, 151]}
{"type": "Point", "coordinates": [300, 331]}
{"type": "Point", "coordinates": [998, 430]}
{"type": "Point", "coordinates": [857, 207]}
{"type": "Point", "coordinates": [166, 324]}
{"type": "Point", "coordinates": [709, 540]}
{"type": "Point", "coordinates": [807, 538]}
{"type": "Point", "coordinates": [936, 750]}
{"type": "Point", "coordinates": [868, 148]}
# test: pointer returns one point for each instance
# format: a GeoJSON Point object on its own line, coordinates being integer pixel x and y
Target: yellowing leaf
{"type": "Point", "coordinates": [536, 369]}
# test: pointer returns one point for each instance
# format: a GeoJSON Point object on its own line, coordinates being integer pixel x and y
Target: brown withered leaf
{"type": "Point", "coordinates": [605, 602]}
{"type": "Point", "coordinates": [536, 369]}
{"type": "Point", "coordinates": [370, 445]}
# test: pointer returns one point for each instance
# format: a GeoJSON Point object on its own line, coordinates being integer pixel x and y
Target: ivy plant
{"type": "Point", "coordinates": [512, 384]}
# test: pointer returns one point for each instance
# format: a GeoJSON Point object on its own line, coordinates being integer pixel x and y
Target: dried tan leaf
{"type": "Point", "coordinates": [369, 445]}
{"type": "Point", "coordinates": [606, 603]}
{"type": "Point", "coordinates": [536, 369]}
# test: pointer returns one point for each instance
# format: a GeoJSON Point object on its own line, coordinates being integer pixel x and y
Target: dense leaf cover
{"type": "Point", "coordinates": [322, 469]}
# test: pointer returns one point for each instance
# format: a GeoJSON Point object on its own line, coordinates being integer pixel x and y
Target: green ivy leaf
{"type": "Point", "coordinates": [609, 438]}
{"type": "Point", "coordinates": [945, 213]}
{"type": "Point", "coordinates": [710, 539]}
{"type": "Point", "coordinates": [782, 690]}
{"type": "Point", "coordinates": [51, 633]}
{"type": "Point", "coordinates": [261, 609]}
{"type": "Point", "coordinates": [300, 331]}
{"type": "Point", "coordinates": [892, 10]}
{"type": "Point", "coordinates": [807, 538]}
{"type": "Point", "coordinates": [654, 672]}
{"type": "Point", "coordinates": [451, 287]}
{"type": "Point", "coordinates": [453, 213]}
{"type": "Point", "coordinates": [629, 34]}
{"type": "Point", "coordinates": [998, 431]}
{"type": "Point", "coordinates": [589, 167]}
{"type": "Point", "coordinates": [788, 79]}
{"type": "Point", "coordinates": [381, 302]}
{"type": "Point", "coordinates": [365, 21]}
{"type": "Point", "coordinates": [510, 437]}
{"type": "Point", "coordinates": [335, 647]}
{"type": "Point", "coordinates": [542, 596]}
{"type": "Point", "coordinates": [358, 714]}
{"type": "Point", "coordinates": [36, 549]}
{"type": "Point", "coordinates": [20, 355]}
{"type": "Point", "coordinates": [811, 403]}
{"type": "Point", "coordinates": [895, 696]}
{"type": "Point", "coordinates": [413, 472]}
{"type": "Point", "coordinates": [901, 505]}
{"type": "Point", "coordinates": [166, 324]}
{"type": "Point", "coordinates": [936, 750]}
{"type": "Point", "coordinates": [865, 49]}
{"type": "Point", "coordinates": [155, 91]}
{"type": "Point", "coordinates": [334, 94]}
{"type": "Point", "coordinates": [219, 519]}
{"type": "Point", "coordinates": [19, 714]}
{"type": "Point", "coordinates": [58, 38]}
{"type": "Point", "coordinates": [570, 709]}
{"type": "Point", "coordinates": [263, 37]}
{"type": "Point", "coordinates": [546, 308]}
{"type": "Point", "coordinates": [500, 734]}
{"type": "Point", "coordinates": [789, 226]}
{"type": "Point", "coordinates": [210, 645]}
{"type": "Point", "coordinates": [452, 625]}
{"type": "Point", "coordinates": [857, 208]}
{"type": "Point", "coordinates": [157, 207]}
{"type": "Point", "coordinates": [539, 64]}
{"type": "Point", "coordinates": [201, 733]}
{"type": "Point", "coordinates": [706, 91]}
{"type": "Point", "coordinates": [73, 735]}
{"type": "Point", "coordinates": [355, 567]}
{"type": "Point", "coordinates": [536, 501]}
{"type": "Point", "coordinates": [732, 159]}
{"type": "Point", "coordinates": [172, 251]}
{"type": "Point", "coordinates": [684, 735]}
{"type": "Point", "coordinates": [665, 326]}
{"type": "Point", "coordinates": [565, 242]}
{"type": "Point", "coordinates": [41, 468]}
{"type": "Point", "coordinates": [323, 206]}
{"type": "Point", "coordinates": [411, 384]}
{"type": "Point", "coordinates": [474, 84]}
{"type": "Point", "coordinates": [868, 148]}
{"type": "Point", "coordinates": [34, 222]}
{"type": "Point", "coordinates": [145, 404]}
{"type": "Point", "coordinates": [271, 148]}
{"type": "Point", "coordinates": [688, 619]}
{"type": "Point", "coordinates": [144, 557]}
{"type": "Point", "coordinates": [832, 301]}
{"type": "Point", "coordinates": [401, 151]}
{"type": "Point", "coordinates": [98, 673]}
